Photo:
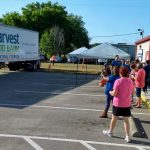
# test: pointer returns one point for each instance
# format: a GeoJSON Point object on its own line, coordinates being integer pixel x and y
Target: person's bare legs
{"type": "Point", "coordinates": [127, 129]}
{"type": "Point", "coordinates": [139, 102]}
{"type": "Point", "coordinates": [113, 123]}
{"type": "Point", "coordinates": [126, 126]}
{"type": "Point", "coordinates": [136, 101]}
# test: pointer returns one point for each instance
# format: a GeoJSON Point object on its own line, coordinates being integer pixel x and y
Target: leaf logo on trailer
{"type": "Point", "coordinates": [9, 43]}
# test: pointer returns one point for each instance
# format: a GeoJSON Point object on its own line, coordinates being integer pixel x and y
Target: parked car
{"type": "Point", "coordinates": [88, 60]}
{"type": "Point", "coordinates": [102, 61]}
{"type": "Point", "coordinates": [58, 59]}
{"type": "Point", "coordinates": [64, 59]}
{"type": "Point", "coordinates": [42, 57]}
{"type": "Point", "coordinates": [75, 59]}
{"type": "Point", "coordinates": [72, 59]}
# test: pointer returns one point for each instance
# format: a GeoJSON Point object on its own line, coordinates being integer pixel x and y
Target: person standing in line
{"type": "Point", "coordinates": [137, 61]}
{"type": "Point", "coordinates": [122, 91]}
{"type": "Point", "coordinates": [147, 71]}
{"type": "Point", "coordinates": [133, 73]}
{"type": "Point", "coordinates": [109, 86]}
{"type": "Point", "coordinates": [53, 59]}
{"type": "Point", "coordinates": [127, 64]}
{"type": "Point", "coordinates": [117, 62]}
{"type": "Point", "coordinates": [106, 71]}
{"type": "Point", "coordinates": [139, 83]}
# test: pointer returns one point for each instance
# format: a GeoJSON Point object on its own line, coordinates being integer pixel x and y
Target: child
{"type": "Point", "coordinates": [105, 73]}
{"type": "Point", "coordinates": [109, 87]}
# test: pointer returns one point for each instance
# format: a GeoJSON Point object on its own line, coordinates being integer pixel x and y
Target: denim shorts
{"type": "Point", "coordinates": [138, 92]}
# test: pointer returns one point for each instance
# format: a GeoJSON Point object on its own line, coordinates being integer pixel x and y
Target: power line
{"type": "Point", "coordinates": [106, 5]}
{"type": "Point", "coordinates": [114, 35]}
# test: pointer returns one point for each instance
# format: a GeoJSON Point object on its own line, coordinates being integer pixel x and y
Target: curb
{"type": "Point", "coordinates": [146, 101]}
{"type": "Point", "coordinates": [134, 131]}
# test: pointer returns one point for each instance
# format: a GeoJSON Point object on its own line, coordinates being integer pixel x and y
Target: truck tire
{"type": "Point", "coordinates": [11, 67]}
{"type": "Point", "coordinates": [38, 66]}
{"type": "Point", "coordinates": [34, 68]}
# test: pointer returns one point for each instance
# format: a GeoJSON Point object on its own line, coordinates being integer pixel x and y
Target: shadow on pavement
{"type": "Point", "coordinates": [21, 89]}
{"type": "Point", "coordinates": [140, 128]}
{"type": "Point", "coordinates": [140, 142]}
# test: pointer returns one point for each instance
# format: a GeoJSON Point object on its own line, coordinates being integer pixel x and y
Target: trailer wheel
{"type": "Point", "coordinates": [11, 67]}
{"type": "Point", "coordinates": [38, 66]}
{"type": "Point", "coordinates": [34, 67]}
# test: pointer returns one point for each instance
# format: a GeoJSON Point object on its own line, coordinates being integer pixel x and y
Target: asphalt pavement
{"type": "Point", "coordinates": [60, 111]}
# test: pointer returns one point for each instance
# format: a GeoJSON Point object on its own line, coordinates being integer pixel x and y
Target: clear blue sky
{"type": "Point", "coordinates": [101, 17]}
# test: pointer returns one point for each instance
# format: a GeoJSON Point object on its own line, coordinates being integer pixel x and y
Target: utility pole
{"type": "Point", "coordinates": [141, 32]}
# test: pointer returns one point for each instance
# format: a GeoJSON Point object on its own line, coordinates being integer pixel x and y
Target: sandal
{"type": "Point", "coordinates": [138, 107]}
{"type": "Point", "coordinates": [134, 104]}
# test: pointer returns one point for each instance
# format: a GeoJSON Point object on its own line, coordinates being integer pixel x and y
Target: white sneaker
{"type": "Point", "coordinates": [108, 133]}
{"type": "Point", "coordinates": [127, 139]}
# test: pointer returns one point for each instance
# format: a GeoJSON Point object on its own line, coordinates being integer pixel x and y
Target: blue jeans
{"type": "Point", "coordinates": [138, 92]}
{"type": "Point", "coordinates": [109, 98]}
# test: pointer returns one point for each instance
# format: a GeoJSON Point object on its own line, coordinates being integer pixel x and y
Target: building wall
{"type": "Point", "coordinates": [145, 47]}
{"type": "Point", "coordinates": [130, 49]}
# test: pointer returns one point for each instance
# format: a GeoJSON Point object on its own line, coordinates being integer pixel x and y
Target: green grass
{"type": "Point", "coordinates": [72, 68]}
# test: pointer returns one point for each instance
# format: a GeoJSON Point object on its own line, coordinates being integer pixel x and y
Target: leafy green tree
{"type": "Point", "coordinates": [58, 35]}
{"type": "Point", "coordinates": [78, 34]}
{"type": "Point", "coordinates": [1, 19]}
{"type": "Point", "coordinates": [46, 44]}
{"type": "Point", "coordinates": [13, 19]}
{"type": "Point", "coordinates": [95, 44]}
{"type": "Point", "coordinates": [52, 41]}
{"type": "Point", "coordinates": [43, 16]}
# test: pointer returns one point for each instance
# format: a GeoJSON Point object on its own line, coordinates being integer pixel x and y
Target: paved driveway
{"type": "Point", "coordinates": [48, 111]}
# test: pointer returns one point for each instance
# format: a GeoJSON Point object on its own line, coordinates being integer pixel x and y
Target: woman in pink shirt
{"type": "Point", "coordinates": [132, 74]}
{"type": "Point", "coordinates": [139, 83]}
{"type": "Point", "coordinates": [122, 91]}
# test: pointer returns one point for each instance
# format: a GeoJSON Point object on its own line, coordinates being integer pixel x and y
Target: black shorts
{"type": "Point", "coordinates": [121, 111]}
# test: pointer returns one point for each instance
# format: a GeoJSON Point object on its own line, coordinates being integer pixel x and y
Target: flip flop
{"type": "Point", "coordinates": [138, 107]}
{"type": "Point", "coordinates": [134, 104]}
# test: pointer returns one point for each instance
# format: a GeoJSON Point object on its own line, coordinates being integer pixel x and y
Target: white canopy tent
{"type": "Point", "coordinates": [106, 51]}
{"type": "Point", "coordinates": [77, 51]}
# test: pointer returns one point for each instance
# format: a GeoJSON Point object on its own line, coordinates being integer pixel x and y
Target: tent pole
{"type": "Point", "coordinates": [86, 71]}
{"type": "Point", "coordinates": [77, 74]}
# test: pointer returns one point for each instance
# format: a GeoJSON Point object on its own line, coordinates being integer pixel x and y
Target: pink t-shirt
{"type": "Point", "coordinates": [124, 88]}
{"type": "Point", "coordinates": [140, 78]}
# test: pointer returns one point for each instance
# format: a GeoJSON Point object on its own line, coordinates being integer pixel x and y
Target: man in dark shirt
{"type": "Point", "coordinates": [116, 62]}
{"type": "Point", "coordinates": [147, 71]}
{"type": "Point", "coordinates": [127, 64]}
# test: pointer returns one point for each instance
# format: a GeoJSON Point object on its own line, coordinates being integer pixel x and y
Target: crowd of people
{"type": "Point", "coordinates": [123, 79]}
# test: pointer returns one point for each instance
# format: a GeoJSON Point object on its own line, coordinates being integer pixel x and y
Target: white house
{"type": "Point", "coordinates": [143, 49]}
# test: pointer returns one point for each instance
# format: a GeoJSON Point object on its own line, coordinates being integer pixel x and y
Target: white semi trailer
{"type": "Point", "coordinates": [19, 48]}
